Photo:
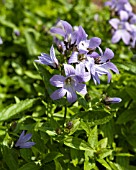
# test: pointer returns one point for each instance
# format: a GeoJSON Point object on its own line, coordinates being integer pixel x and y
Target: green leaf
{"type": "Point", "coordinates": [76, 124]}
{"type": "Point", "coordinates": [126, 116]}
{"type": "Point", "coordinates": [30, 42]}
{"type": "Point", "coordinates": [96, 117]}
{"type": "Point", "coordinates": [52, 156]}
{"type": "Point", "coordinates": [29, 166]}
{"type": "Point", "coordinates": [7, 23]}
{"type": "Point", "coordinates": [93, 137]}
{"type": "Point", "coordinates": [132, 167]}
{"type": "Point", "coordinates": [26, 154]}
{"type": "Point", "coordinates": [15, 109]}
{"type": "Point", "coordinates": [77, 143]}
{"type": "Point", "coordinates": [102, 143]}
{"type": "Point", "coordinates": [104, 153]}
{"type": "Point", "coordinates": [86, 127]}
{"type": "Point", "coordinates": [75, 156]}
{"type": "Point", "coordinates": [131, 92]}
{"type": "Point", "coordinates": [104, 163]}
{"type": "Point", "coordinates": [108, 130]}
{"type": "Point", "coordinates": [114, 166]}
{"type": "Point", "coordinates": [11, 161]}
{"type": "Point", "coordinates": [58, 165]}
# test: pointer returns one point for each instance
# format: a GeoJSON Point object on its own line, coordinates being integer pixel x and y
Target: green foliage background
{"type": "Point", "coordinates": [100, 137]}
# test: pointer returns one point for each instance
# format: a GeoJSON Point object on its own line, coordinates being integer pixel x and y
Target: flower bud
{"type": "Point", "coordinates": [111, 100]}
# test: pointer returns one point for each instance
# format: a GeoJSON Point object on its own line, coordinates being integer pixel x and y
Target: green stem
{"type": "Point", "coordinates": [65, 114]}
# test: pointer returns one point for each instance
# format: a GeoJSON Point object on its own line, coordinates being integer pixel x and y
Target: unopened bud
{"type": "Point", "coordinates": [112, 100]}
{"type": "Point", "coordinates": [69, 125]}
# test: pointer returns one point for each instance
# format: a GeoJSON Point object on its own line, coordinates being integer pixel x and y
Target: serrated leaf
{"type": "Point", "coordinates": [14, 109]}
{"type": "Point", "coordinates": [77, 143]}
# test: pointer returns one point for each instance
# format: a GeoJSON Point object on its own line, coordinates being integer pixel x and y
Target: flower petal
{"type": "Point", "coordinates": [94, 42]}
{"type": "Point", "coordinates": [73, 58]}
{"type": "Point", "coordinates": [57, 80]}
{"type": "Point", "coordinates": [116, 36]}
{"type": "Point", "coordinates": [128, 7]}
{"type": "Point", "coordinates": [123, 15]}
{"type": "Point", "coordinates": [81, 88]}
{"type": "Point", "coordinates": [125, 37]}
{"type": "Point", "coordinates": [44, 59]}
{"type": "Point", "coordinates": [108, 54]}
{"type": "Point", "coordinates": [69, 69]}
{"type": "Point", "coordinates": [26, 137]}
{"type": "Point", "coordinates": [58, 94]}
{"type": "Point", "coordinates": [67, 26]}
{"type": "Point", "coordinates": [71, 95]}
{"type": "Point", "coordinates": [114, 23]}
{"type": "Point", "coordinates": [27, 145]}
{"type": "Point", "coordinates": [59, 31]}
{"type": "Point", "coordinates": [94, 55]}
{"type": "Point", "coordinates": [111, 66]}
{"type": "Point", "coordinates": [52, 55]}
{"type": "Point", "coordinates": [81, 35]}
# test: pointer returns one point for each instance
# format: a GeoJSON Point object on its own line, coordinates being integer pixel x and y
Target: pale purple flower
{"type": "Point", "coordinates": [122, 28]}
{"type": "Point", "coordinates": [46, 59]}
{"type": "Point", "coordinates": [62, 28]}
{"type": "Point", "coordinates": [23, 141]}
{"type": "Point", "coordinates": [88, 45]}
{"type": "Point", "coordinates": [112, 100]}
{"type": "Point", "coordinates": [102, 64]}
{"type": "Point", "coordinates": [71, 36]}
{"type": "Point", "coordinates": [119, 5]}
{"type": "Point", "coordinates": [70, 84]}
{"type": "Point", "coordinates": [79, 35]}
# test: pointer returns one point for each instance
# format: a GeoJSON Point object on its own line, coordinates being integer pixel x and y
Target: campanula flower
{"type": "Point", "coordinates": [71, 36]}
{"type": "Point", "coordinates": [122, 28]}
{"type": "Point", "coordinates": [102, 64]}
{"type": "Point", "coordinates": [46, 59]}
{"type": "Point", "coordinates": [70, 84]}
{"type": "Point", "coordinates": [23, 141]}
{"type": "Point", "coordinates": [119, 5]}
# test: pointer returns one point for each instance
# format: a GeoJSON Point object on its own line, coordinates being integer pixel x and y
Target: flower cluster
{"type": "Point", "coordinates": [124, 27]}
{"type": "Point", "coordinates": [82, 59]}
